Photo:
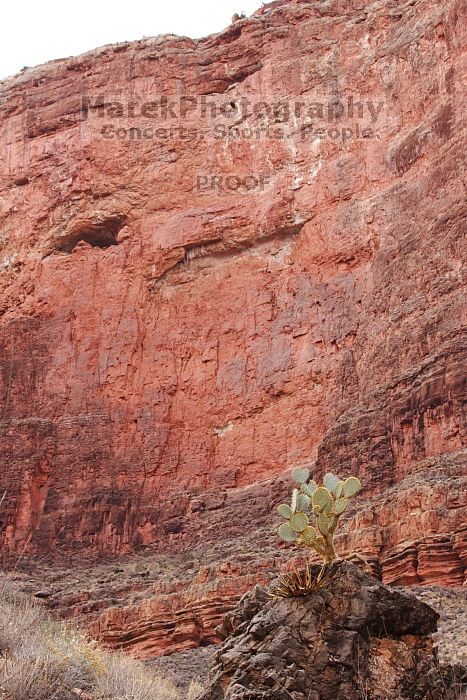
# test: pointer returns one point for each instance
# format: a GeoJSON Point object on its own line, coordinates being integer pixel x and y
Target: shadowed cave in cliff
{"type": "Point", "coordinates": [102, 234]}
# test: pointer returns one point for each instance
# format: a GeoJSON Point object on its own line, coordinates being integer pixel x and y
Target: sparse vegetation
{"type": "Point", "coordinates": [41, 659]}
{"type": "Point", "coordinates": [297, 583]}
{"type": "Point", "coordinates": [238, 16]}
{"type": "Point", "coordinates": [194, 690]}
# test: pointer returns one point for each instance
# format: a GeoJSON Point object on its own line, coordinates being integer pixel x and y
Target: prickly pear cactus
{"type": "Point", "coordinates": [314, 512]}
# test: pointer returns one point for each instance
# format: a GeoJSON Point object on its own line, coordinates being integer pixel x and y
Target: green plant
{"type": "Point", "coordinates": [324, 505]}
{"type": "Point", "coordinates": [298, 583]}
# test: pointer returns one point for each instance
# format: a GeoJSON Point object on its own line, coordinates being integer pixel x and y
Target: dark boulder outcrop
{"type": "Point", "coordinates": [353, 639]}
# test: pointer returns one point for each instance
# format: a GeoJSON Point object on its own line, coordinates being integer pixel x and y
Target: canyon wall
{"type": "Point", "coordinates": [263, 271]}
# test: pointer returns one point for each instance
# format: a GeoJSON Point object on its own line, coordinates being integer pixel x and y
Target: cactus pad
{"type": "Point", "coordinates": [294, 503]}
{"type": "Point", "coordinates": [303, 502]}
{"type": "Point", "coordinates": [320, 545]}
{"type": "Point", "coordinates": [300, 475]}
{"type": "Point", "coordinates": [324, 523]}
{"type": "Point", "coordinates": [352, 486]}
{"type": "Point", "coordinates": [309, 535]}
{"type": "Point", "coordinates": [298, 521]}
{"type": "Point", "coordinates": [330, 482]}
{"type": "Point", "coordinates": [321, 497]}
{"type": "Point", "coordinates": [340, 506]}
{"type": "Point", "coordinates": [286, 533]}
{"type": "Point", "coordinates": [310, 488]}
{"type": "Point", "coordinates": [284, 511]}
{"type": "Point", "coordinates": [339, 490]}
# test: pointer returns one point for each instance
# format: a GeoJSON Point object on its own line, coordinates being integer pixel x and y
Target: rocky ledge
{"type": "Point", "coordinates": [354, 638]}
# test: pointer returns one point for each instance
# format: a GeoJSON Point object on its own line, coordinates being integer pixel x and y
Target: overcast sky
{"type": "Point", "coordinates": [36, 31]}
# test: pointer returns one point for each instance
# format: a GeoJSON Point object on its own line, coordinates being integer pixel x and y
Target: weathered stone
{"type": "Point", "coordinates": [354, 638]}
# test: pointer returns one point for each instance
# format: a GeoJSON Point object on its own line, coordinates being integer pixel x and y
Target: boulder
{"type": "Point", "coordinates": [353, 639]}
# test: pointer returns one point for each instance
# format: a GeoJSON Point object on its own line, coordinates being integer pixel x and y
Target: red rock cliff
{"type": "Point", "coordinates": [167, 348]}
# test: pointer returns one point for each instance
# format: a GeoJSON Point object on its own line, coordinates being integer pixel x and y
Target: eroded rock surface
{"type": "Point", "coordinates": [353, 639]}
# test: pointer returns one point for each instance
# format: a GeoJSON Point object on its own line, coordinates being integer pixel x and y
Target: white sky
{"type": "Point", "coordinates": [36, 31]}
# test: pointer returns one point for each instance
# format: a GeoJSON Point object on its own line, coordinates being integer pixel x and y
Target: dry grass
{"type": "Point", "coordinates": [45, 660]}
{"type": "Point", "coordinates": [126, 678]}
{"type": "Point", "coordinates": [194, 690]}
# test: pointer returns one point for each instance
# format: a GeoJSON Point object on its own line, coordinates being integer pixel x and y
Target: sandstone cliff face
{"type": "Point", "coordinates": [169, 351]}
